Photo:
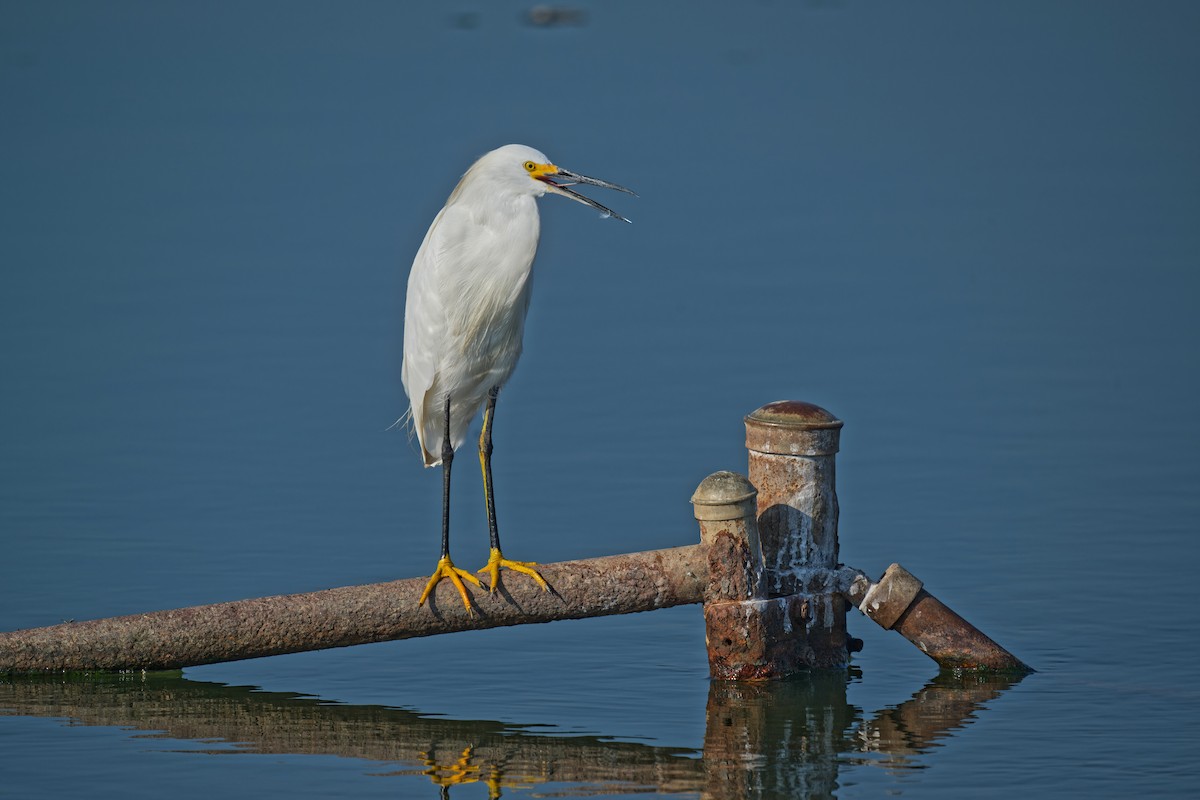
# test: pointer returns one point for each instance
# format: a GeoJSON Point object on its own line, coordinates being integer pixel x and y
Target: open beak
{"type": "Point", "coordinates": [558, 181]}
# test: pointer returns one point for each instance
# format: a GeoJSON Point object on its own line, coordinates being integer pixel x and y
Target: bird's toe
{"type": "Point", "coordinates": [497, 562]}
{"type": "Point", "coordinates": [446, 569]}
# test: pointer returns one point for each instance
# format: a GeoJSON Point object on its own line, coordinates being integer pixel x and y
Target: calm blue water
{"type": "Point", "coordinates": [972, 231]}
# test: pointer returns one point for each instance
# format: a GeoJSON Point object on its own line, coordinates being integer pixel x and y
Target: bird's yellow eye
{"type": "Point", "coordinates": [530, 166]}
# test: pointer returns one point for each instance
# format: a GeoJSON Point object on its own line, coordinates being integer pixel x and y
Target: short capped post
{"type": "Point", "coordinates": [724, 507]}
{"type": "Point", "coordinates": [749, 636]}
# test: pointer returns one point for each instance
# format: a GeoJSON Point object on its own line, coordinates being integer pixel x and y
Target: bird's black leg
{"type": "Point", "coordinates": [447, 460]}
{"type": "Point", "coordinates": [485, 461]}
{"type": "Point", "coordinates": [445, 567]}
{"type": "Point", "coordinates": [497, 561]}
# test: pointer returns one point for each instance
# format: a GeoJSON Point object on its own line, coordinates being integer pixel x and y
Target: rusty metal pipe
{"type": "Point", "coordinates": [353, 615]}
{"type": "Point", "coordinates": [899, 602]}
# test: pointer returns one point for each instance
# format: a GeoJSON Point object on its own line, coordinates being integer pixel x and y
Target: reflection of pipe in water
{"type": "Point", "coordinates": [950, 702]}
{"type": "Point", "coordinates": [789, 738]}
{"type": "Point", "coordinates": [762, 739]}
{"type": "Point", "coordinates": [448, 752]}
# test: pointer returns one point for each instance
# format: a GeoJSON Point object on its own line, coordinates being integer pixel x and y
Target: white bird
{"type": "Point", "coordinates": [464, 317]}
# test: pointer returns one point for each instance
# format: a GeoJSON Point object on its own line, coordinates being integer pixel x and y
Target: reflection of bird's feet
{"type": "Point", "coordinates": [497, 562]}
{"type": "Point", "coordinates": [446, 569]}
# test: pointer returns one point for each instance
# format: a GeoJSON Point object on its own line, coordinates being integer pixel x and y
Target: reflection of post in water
{"type": "Point", "coordinates": [785, 739]}
{"type": "Point", "coordinates": [777, 739]}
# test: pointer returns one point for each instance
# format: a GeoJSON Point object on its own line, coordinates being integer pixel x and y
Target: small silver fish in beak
{"type": "Point", "coordinates": [558, 179]}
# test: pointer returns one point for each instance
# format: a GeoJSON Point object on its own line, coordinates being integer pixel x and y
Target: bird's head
{"type": "Point", "coordinates": [527, 171]}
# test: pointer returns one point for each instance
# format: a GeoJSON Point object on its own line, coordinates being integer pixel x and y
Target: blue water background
{"type": "Point", "coordinates": [972, 231]}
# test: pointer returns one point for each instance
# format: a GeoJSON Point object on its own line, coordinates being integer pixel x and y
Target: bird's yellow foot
{"type": "Point", "coordinates": [446, 569]}
{"type": "Point", "coordinates": [497, 562]}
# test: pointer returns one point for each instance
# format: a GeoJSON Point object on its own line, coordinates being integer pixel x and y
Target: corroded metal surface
{"type": "Point", "coordinates": [734, 567]}
{"type": "Point", "coordinates": [355, 615]}
{"type": "Point", "coordinates": [771, 639]}
{"type": "Point", "coordinates": [950, 640]}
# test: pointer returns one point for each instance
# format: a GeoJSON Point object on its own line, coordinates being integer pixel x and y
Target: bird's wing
{"type": "Point", "coordinates": [424, 330]}
{"type": "Point", "coordinates": [467, 296]}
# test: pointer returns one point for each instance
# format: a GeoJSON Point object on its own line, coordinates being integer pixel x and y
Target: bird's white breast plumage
{"type": "Point", "coordinates": [468, 294]}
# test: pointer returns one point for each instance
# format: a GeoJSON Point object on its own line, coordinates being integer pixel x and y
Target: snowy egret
{"type": "Point", "coordinates": [464, 317]}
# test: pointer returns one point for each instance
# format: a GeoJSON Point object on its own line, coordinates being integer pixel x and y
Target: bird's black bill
{"type": "Point", "coordinates": [572, 178]}
{"type": "Point", "coordinates": [575, 177]}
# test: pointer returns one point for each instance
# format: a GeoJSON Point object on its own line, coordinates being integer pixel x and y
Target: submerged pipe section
{"type": "Point", "coordinates": [353, 615]}
{"type": "Point", "coordinates": [900, 603]}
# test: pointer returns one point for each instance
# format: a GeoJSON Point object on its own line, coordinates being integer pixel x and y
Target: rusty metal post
{"type": "Point", "coordinates": [900, 603]}
{"type": "Point", "coordinates": [749, 637]}
{"type": "Point", "coordinates": [791, 447]}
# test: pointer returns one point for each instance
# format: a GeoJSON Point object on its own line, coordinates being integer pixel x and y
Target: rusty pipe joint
{"type": "Point", "coordinates": [885, 602]}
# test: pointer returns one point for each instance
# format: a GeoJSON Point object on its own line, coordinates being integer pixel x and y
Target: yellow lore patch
{"type": "Point", "coordinates": [537, 170]}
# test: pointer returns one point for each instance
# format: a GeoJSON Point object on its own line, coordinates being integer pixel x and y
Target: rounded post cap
{"type": "Point", "coordinates": [721, 496]}
{"type": "Point", "coordinates": [793, 427]}
{"type": "Point", "coordinates": [794, 414]}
